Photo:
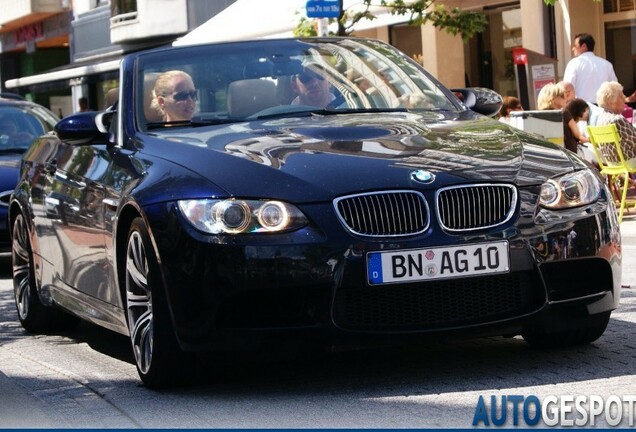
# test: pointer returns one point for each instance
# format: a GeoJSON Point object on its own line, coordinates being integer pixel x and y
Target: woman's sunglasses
{"type": "Point", "coordinates": [181, 96]}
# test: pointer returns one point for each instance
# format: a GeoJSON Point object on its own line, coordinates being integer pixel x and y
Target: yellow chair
{"type": "Point", "coordinates": [607, 147]}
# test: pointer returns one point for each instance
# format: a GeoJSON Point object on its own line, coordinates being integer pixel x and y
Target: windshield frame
{"type": "Point", "coordinates": [396, 81]}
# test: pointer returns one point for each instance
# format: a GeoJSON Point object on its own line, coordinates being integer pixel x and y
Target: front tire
{"type": "Point", "coordinates": [160, 362]}
{"type": "Point", "coordinates": [34, 316]}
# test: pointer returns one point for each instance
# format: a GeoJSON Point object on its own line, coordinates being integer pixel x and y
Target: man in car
{"type": "Point", "coordinates": [312, 89]}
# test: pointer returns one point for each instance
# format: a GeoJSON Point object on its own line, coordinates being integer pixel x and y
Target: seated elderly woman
{"type": "Point", "coordinates": [610, 97]}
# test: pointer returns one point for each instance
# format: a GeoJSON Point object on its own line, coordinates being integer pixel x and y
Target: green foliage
{"type": "Point", "coordinates": [454, 21]}
{"type": "Point", "coordinates": [305, 28]}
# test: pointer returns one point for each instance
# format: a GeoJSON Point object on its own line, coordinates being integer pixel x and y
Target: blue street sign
{"type": "Point", "coordinates": [323, 8]}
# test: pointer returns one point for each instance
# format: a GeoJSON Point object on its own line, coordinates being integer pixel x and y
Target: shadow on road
{"type": "Point", "coordinates": [5, 266]}
{"type": "Point", "coordinates": [434, 367]}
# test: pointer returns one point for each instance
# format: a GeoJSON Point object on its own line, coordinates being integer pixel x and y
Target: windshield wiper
{"type": "Point", "coordinates": [160, 125]}
{"type": "Point", "coordinates": [196, 121]}
{"type": "Point", "coordinates": [204, 120]}
{"type": "Point", "coordinates": [324, 111]}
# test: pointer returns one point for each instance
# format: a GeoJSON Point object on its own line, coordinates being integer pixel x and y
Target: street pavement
{"type": "Point", "coordinates": [628, 233]}
{"type": "Point", "coordinates": [22, 407]}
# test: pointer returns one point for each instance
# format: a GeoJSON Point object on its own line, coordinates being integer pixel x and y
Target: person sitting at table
{"type": "Point", "coordinates": [575, 110]}
{"type": "Point", "coordinates": [610, 97]}
{"type": "Point", "coordinates": [510, 103]}
{"type": "Point", "coordinates": [552, 97]}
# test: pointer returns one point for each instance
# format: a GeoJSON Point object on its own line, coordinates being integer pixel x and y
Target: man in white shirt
{"type": "Point", "coordinates": [586, 71]}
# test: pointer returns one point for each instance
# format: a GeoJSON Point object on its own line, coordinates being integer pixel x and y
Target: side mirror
{"type": "Point", "coordinates": [80, 128]}
{"type": "Point", "coordinates": [480, 99]}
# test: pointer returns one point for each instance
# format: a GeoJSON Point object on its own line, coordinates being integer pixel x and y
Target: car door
{"type": "Point", "coordinates": [74, 191]}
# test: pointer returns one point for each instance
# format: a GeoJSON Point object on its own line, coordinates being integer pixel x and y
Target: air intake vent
{"type": "Point", "coordinates": [394, 213]}
{"type": "Point", "coordinates": [473, 207]}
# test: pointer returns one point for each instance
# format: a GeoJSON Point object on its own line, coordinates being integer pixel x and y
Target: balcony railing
{"type": "Point", "coordinates": [149, 20]}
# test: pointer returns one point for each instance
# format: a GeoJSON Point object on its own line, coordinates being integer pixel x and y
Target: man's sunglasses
{"type": "Point", "coordinates": [307, 77]}
{"type": "Point", "coordinates": [181, 96]}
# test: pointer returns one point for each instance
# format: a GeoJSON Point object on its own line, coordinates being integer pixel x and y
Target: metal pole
{"type": "Point", "coordinates": [323, 27]}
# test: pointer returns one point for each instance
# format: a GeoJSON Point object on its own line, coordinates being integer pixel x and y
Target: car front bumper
{"type": "Point", "coordinates": [305, 283]}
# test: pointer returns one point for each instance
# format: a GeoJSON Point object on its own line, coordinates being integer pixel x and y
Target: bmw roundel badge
{"type": "Point", "coordinates": [422, 176]}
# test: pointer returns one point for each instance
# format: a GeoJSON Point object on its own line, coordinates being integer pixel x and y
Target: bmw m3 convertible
{"type": "Point", "coordinates": [324, 189]}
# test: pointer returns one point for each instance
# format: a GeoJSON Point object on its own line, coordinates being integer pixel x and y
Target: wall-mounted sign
{"type": "Point", "coordinates": [323, 8]}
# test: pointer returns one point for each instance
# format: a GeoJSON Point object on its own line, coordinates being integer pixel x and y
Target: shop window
{"type": "Point", "coordinates": [612, 6]}
{"type": "Point", "coordinates": [620, 43]}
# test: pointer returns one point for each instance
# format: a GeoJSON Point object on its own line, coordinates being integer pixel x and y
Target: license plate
{"type": "Point", "coordinates": [437, 263]}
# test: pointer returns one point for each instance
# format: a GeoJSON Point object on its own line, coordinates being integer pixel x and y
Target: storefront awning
{"type": "Point", "coordinates": [252, 19]}
{"type": "Point", "coordinates": [72, 72]}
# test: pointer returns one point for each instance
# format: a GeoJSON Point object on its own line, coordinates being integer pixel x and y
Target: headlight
{"type": "Point", "coordinates": [571, 190]}
{"type": "Point", "coordinates": [235, 216]}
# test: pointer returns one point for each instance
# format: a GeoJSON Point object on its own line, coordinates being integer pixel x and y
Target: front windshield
{"type": "Point", "coordinates": [20, 124]}
{"type": "Point", "coordinates": [244, 81]}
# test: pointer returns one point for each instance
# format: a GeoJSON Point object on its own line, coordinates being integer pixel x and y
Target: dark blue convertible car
{"type": "Point", "coordinates": [325, 189]}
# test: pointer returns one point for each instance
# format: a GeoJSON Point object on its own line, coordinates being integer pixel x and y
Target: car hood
{"type": "Point", "coordinates": [320, 157]}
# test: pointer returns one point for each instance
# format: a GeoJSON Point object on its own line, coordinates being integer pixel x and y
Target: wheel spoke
{"type": "Point", "coordinates": [21, 267]}
{"type": "Point", "coordinates": [22, 296]}
{"type": "Point", "coordinates": [137, 276]}
{"type": "Point", "coordinates": [141, 336]}
{"type": "Point", "coordinates": [136, 264]}
{"type": "Point", "coordinates": [19, 250]}
{"type": "Point", "coordinates": [139, 302]}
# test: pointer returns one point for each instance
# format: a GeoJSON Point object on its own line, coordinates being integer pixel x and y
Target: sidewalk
{"type": "Point", "coordinates": [628, 226]}
{"type": "Point", "coordinates": [18, 409]}
{"type": "Point", "coordinates": [628, 234]}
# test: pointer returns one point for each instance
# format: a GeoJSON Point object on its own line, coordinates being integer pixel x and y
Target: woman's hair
{"type": "Point", "coordinates": [607, 92]}
{"type": "Point", "coordinates": [510, 103]}
{"type": "Point", "coordinates": [164, 86]}
{"type": "Point", "coordinates": [548, 94]}
{"type": "Point", "coordinates": [577, 108]}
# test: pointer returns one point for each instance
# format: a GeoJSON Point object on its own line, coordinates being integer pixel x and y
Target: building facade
{"type": "Point", "coordinates": [487, 60]}
{"type": "Point", "coordinates": [55, 51]}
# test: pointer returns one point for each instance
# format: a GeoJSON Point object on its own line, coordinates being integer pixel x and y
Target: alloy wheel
{"type": "Point", "coordinates": [139, 302]}
{"type": "Point", "coordinates": [21, 256]}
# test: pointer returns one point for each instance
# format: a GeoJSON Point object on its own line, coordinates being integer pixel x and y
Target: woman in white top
{"type": "Point", "coordinates": [610, 97]}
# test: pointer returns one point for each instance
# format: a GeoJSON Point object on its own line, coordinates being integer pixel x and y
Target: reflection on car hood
{"type": "Point", "coordinates": [324, 156]}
